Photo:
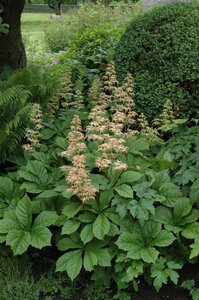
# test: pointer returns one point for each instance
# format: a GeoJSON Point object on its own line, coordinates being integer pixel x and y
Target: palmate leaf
{"type": "Point", "coordinates": [86, 234]}
{"type": "Point", "coordinates": [24, 212]}
{"type": "Point", "coordinates": [46, 218]}
{"type": "Point", "coordinates": [101, 227]}
{"type": "Point", "coordinates": [19, 241]}
{"type": "Point", "coordinates": [70, 226]}
{"type": "Point", "coordinates": [70, 262]}
{"type": "Point", "coordinates": [130, 176]}
{"type": "Point", "coordinates": [124, 190]}
{"type": "Point", "coordinates": [40, 237]}
{"type": "Point", "coordinates": [141, 209]}
{"type": "Point", "coordinates": [90, 259]}
{"type": "Point", "coordinates": [9, 222]}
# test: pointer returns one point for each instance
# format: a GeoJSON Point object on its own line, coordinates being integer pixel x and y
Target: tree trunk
{"type": "Point", "coordinates": [58, 8]}
{"type": "Point", "coordinates": [12, 51]}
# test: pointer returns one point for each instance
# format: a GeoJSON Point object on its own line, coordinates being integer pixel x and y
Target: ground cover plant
{"type": "Point", "coordinates": [102, 196]}
{"type": "Point", "coordinates": [97, 201]}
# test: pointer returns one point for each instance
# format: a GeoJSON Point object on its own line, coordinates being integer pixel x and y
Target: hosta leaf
{"type": "Point", "coordinates": [124, 190]}
{"type": "Point", "coordinates": [163, 239]}
{"type": "Point", "coordinates": [101, 227]}
{"type": "Point", "coordinates": [70, 262]}
{"type": "Point", "coordinates": [149, 254]}
{"type": "Point", "coordinates": [40, 237]}
{"type": "Point", "coordinates": [24, 212]}
{"type": "Point", "coordinates": [86, 234]}
{"type": "Point", "coordinates": [90, 259]}
{"type": "Point", "coordinates": [46, 218]}
{"type": "Point", "coordinates": [71, 209]}
{"type": "Point", "coordinates": [130, 176]}
{"type": "Point", "coordinates": [70, 226]}
{"type": "Point", "coordinates": [19, 241]}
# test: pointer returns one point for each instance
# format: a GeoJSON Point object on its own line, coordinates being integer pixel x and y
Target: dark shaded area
{"type": "Point", "coordinates": [12, 49]}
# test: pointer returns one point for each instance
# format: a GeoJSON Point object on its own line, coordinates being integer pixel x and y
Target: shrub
{"type": "Point", "coordinates": [160, 48]}
{"type": "Point", "coordinates": [87, 16]}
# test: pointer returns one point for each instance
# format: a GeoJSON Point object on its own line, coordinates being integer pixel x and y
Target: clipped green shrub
{"type": "Point", "coordinates": [160, 48]}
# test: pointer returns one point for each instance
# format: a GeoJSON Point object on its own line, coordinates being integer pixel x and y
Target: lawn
{"type": "Point", "coordinates": [33, 25]}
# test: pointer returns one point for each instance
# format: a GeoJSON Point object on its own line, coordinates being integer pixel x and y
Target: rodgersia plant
{"type": "Point", "coordinates": [77, 175]}
{"type": "Point", "coordinates": [33, 134]}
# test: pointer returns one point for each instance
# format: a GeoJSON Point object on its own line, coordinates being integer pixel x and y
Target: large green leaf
{"type": "Point", "coordinates": [90, 259]}
{"type": "Point", "coordinates": [40, 237]}
{"type": "Point", "coordinates": [46, 218]}
{"type": "Point", "coordinates": [67, 243]}
{"type": "Point", "coordinates": [9, 222]}
{"type": "Point", "coordinates": [38, 169]}
{"type": "Point", "coordinates": [181, 208]}
{"type": "Point", "coordinates": [149, 254]}
{"type": "Point", "coordinates": [130, 176]}
{"type": "Point", "coordinates": [141, 209]}
{"type": "Point", "coordinates": [163, 239]}
{"type": "Point", "coordinates": [19, 241]}
{"type": "Point", "coordinates": [71, 209]}
{"type": "Point", "coordinates": [105, 198]}
{"type": "Point", "coordinates": [124, 190]}
{"type": "Point", "coordinates": [48, 194]}
{"type": "Point", "coordinates": [101, 227]}
{"type": "Point", "coordinates": [126, 241]}
{"type": "Point", "coordinates": [171, 192]}
{"type": "Point", "coordinates": [6, 187]}
{"type": "Point", "coordinates": [70, 262]}
{"type": "Point", "coordinates": [103, 257]}
{"type": "Point", "coordinates": [163, 215]}
{"type": "Point", "coordinates": [24, 212]}
{"type": "Point", "coordinates": [70, 226]}
{"type": "Point", "coordinates": [86, 234]}
{"type": "Point", "coordinates": [31, 187]}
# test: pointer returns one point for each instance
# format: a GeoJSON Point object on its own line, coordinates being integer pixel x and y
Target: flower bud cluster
{"type": "Point", "coordinates": [76, 174]}
{"type": "Point", "coordinates": [33, 134]}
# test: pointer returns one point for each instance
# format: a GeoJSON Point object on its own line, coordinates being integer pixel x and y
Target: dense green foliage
{"type": "Point", "coordinates": [88, 17]}
{"type": "Point", "coordinates": [95, 199]}
{"type": "Point", "coordinates": [160, 49]}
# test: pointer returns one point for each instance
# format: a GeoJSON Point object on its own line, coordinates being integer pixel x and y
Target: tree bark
{"type": "Point", "coordinates": [12, 51]}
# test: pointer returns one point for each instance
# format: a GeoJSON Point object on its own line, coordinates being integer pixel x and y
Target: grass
{"type": "Point", "coordinates": [32, 25]}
